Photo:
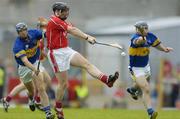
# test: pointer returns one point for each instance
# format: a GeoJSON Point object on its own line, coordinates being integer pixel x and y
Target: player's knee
{"type": "Point", "coordinates": [87, 65]}
{"type": "Point", "coordinates": [63, 85]}
{"type": "Point", "coordinates": [147, 89]}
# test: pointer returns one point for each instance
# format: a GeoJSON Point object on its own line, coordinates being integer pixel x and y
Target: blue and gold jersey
{"type": "Point", "coordinates": [139, 54]}
{"type": "Point", "coordinates": [29, 48]}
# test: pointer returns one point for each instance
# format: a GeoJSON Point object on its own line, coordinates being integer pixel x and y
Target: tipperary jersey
{"type": "Point", "coordinates": [139, 54]}
{"type": "Point", "coordinates": [29, 48]}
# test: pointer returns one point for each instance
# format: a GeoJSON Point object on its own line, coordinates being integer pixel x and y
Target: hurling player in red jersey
{"type": "Point", "coordinates": [61, 56]}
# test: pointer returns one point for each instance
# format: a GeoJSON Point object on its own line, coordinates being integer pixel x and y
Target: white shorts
{"type": "Point", "coordinates": [25, 73]}
{"type": "Point", "coordinates": [60, 58]}
{"type": "Point", "coordinates": [142, 71]}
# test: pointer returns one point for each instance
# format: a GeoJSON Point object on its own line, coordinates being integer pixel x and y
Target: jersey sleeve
{"type": "Point", "coordinates": [18, 50]}
{"type": "Point", "coordinates": [38, 34]}
{"type": "Point", "coordinates": [154, 40]}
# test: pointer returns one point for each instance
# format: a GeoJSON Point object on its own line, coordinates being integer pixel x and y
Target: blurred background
{"type": "Point", "coordinates": [110, 21]}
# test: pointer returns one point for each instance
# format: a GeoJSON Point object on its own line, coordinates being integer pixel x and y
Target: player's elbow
{"type": "Point", "coordinates": [24, 59]}
{"type": "Point", "coordinates": [71, 29]}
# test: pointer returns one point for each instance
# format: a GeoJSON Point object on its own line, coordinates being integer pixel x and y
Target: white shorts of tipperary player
{"type": "Point", "coordinates": [142, 71]}
{"type": "Point", "coordinates": [25, 73]}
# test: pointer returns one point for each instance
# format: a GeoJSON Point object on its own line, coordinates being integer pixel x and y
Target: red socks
{"type": "Point", "coordinates": [103, 78]}
{"type": "Point", "coordinates": [58, 104]}
{"type": "Point", "coordinates": [37, 99]}
{"type": "Point", "coordinates": [8, 98]}
{"type": "Point", "coordinates": [58, 109]}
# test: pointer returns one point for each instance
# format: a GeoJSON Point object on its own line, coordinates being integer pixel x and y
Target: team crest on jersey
{"type": "Point", "coordinates": [26, 46]}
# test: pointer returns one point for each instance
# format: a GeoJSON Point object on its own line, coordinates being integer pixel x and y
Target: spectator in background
{"type": "Point", "coordinates": [175, 90]}
{"type": "Point", "coordinates": [167, 69]}
{"type": "Point", "coordinates": [170, 84]}
{"type": "Point", "coordinates": [2, 78]}
{"type": "Point", "coordinates": [177, 74]}
{"type": "Point", "coordinates": [167, 82]}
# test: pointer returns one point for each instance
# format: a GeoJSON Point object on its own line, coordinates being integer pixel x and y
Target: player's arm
{"type": "Point", "coordinates": [139, 41]}
{"type": "Point", "coordinates": [163, 48]}
{"type": "Point", "coordinates": [78, 33]}
{"type": "Point", "coordinates": [26, 62]}
{"type": "Point", "coordinates": [41, 37]}
{"type": "Point", "coordinates": [43, 54]}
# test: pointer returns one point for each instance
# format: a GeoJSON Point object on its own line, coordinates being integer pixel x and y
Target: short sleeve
{"type": "Point", "coordinates": [154, 40]}
{"type": "Point", "coordinates": [38, 34]}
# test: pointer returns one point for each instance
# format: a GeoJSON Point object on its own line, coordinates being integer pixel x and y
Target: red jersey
{"type": "Point", "coordinates": [56, 33]}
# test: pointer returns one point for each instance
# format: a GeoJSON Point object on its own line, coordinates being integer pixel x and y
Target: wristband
{"type": "Point", "coordinates": [87, 38]}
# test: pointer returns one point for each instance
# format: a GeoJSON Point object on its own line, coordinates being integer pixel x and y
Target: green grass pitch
{"type": "Point", "coordinates": [23, 113]}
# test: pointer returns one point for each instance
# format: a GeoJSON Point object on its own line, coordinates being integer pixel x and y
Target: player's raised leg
{"type": "Point", "coordinates": [79, 61]}
{"type": "Point", "coordinates": [61, 55]}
